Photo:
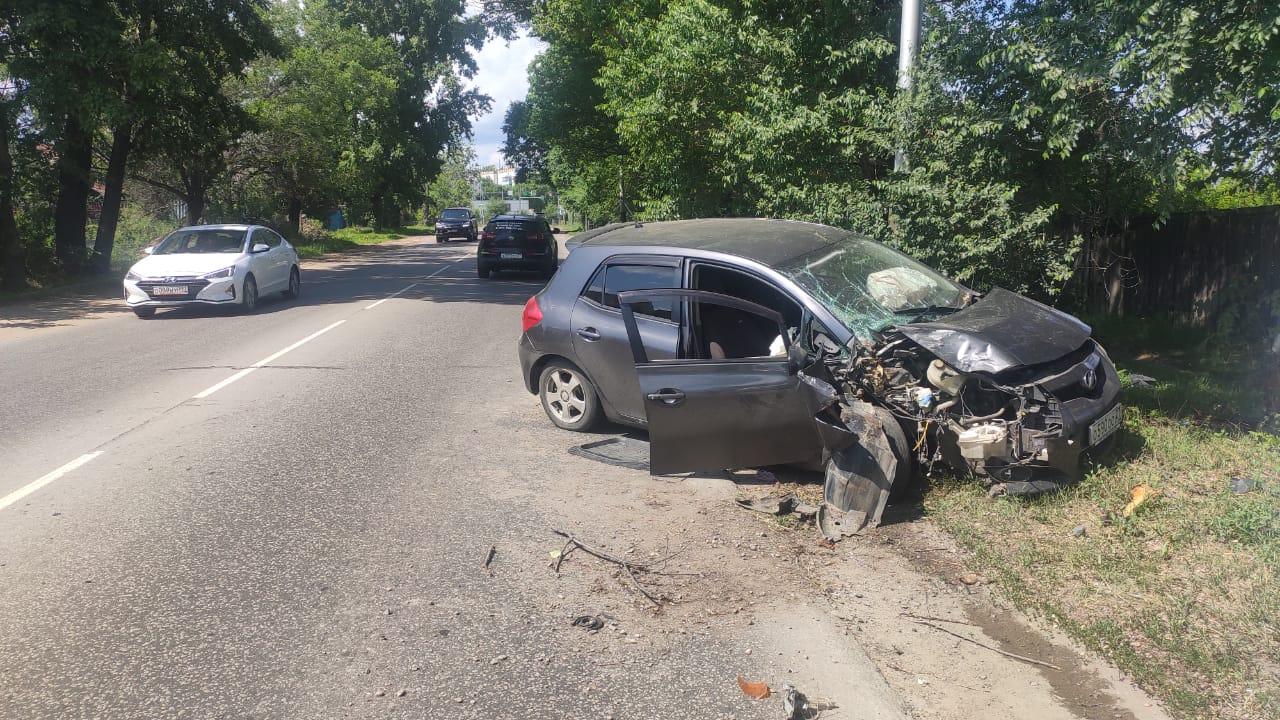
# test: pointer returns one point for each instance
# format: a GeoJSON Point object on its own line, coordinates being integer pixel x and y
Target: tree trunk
{"type": "Point", "coordinates": [104, 243]}
{"type": "Point", "coordinates": [70, 212]}
{"type": "Point", "coordinates": [12, 267]}
{"type": "Point", "coordinates": [295, 216]}
{"type": "Point", "coordinates": [377, 211]}
{"type": "Point", "coordinates": [194, 187]}
{"type": "Point", "coordinates": [195, 205]}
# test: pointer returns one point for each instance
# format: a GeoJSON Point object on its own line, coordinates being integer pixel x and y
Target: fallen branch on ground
{"type": "Point", "coordinates": [1015, 656]}
{"type": "Point", "coordinates": [573, 543]}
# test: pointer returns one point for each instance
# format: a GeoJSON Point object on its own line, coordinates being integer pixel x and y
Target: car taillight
{"type": "Point", "coordinates": [534, 236]}
{"type": "Point", "coordinates": [532, 314]}
{"type": "Point", "coordinates": [487, 236]}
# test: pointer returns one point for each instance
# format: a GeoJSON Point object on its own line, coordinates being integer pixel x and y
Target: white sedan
{"type": "Point", "coordinates": [213, 265]}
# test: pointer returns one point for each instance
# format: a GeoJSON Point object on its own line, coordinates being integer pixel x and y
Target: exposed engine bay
{"type": "Point", "coordinates": [1006, 390]}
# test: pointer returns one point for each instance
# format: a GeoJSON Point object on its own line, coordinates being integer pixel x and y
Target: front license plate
{"type": "Point", "coordinates": [512, 256]}
{"type": "Point", "coordinates": [169, 290]}
{"type": "Point", "coordinates": [1103, 427]}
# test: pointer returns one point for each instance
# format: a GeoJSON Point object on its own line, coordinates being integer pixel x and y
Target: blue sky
{"type": "Point", "coordinates": [500, 74]}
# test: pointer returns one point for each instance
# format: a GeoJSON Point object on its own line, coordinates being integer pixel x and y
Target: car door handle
{"type": "Point", "coordinates": [668, 396]}
{"type": "Point", "coordinates": [589, 334]}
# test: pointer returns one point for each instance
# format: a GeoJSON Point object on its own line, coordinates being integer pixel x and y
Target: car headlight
{"type": "Point", "coordinates": [217, 274]}
{"type": "Point", "coordinates": [131, 275]}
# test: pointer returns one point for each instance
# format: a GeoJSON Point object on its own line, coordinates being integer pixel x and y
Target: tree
{"type": "Point", "coordinates": [169, 65]}
{"type": "Point", "coordinates": [523, 150]}
{"type": "Point", "coordinates": [454, 185]}
{"type": "Point", "coordinates": [55, 51]}
{"type": "Point", "coordinates": [433, 40]}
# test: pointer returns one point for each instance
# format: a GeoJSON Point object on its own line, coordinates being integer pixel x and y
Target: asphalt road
{"type": "Point", "coordinates": [185, 535]}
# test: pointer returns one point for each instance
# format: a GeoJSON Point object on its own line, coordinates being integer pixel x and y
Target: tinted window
{"type": "Point", "coordinates": [613, 279]}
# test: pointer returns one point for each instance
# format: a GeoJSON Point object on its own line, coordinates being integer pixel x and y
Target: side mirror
{"type": "Point", "coordinates": [148, 249]}
{"type": "Point", "coordinates": [260, 248]}
{"type": "Point", "coordinates": [556, 230]}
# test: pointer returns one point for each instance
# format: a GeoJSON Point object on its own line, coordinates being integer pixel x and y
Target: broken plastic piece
{"type": "Point", "coordinates": [859, 477]}
{"type": "Point", "coordinates": [837, 525]}
{"type": "Point", "coordinates": [754, 690]}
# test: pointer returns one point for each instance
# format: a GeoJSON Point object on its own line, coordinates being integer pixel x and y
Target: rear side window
{"type": "Point", "coordinates": [613, 279]}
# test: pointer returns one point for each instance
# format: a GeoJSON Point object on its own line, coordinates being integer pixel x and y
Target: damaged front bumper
{"type": "Point", "coordinates": [1021, 431]}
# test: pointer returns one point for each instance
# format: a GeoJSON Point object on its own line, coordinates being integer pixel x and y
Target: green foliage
{"type": "Point", "coordinates": [494, 207]}
{"type": "Point", "coordinates": [1032, 126]}
{"type": "Point", "coordinates": [453, 186]}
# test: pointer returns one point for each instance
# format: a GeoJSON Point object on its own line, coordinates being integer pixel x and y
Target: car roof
{"type": "Point", "coordinates": [218, 227]}
{"type": "Point", "coordinates": [769, 242]}
{"type": "Point", "coordinates": [508, 217]}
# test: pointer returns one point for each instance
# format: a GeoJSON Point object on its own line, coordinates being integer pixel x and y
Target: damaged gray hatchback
{"type": "Point", "coordinates": [743, 342]}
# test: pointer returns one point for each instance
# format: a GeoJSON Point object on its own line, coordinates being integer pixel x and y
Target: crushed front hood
{"type": "Point", "coordinates": [1003, 330]}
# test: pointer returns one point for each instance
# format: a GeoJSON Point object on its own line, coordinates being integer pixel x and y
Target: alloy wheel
{"type": "Point", "coordinates": [565, 396]}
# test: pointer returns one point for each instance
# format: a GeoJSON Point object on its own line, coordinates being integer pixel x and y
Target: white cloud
{"type": "Point", "coordinates": [501, 73]}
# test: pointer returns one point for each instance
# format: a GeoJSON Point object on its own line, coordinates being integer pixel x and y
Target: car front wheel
{"type": "Point", "coordinates": [144, 312]}
{"type": "Point", "coordinates": [568, 397]}
{"type": "Point", "coordinates": [295, 284]}
{"type": "Point", "coordinates": [249, 295]}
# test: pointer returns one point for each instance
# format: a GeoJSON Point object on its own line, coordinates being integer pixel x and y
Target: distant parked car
{"type": "Point", "coordinates": [213, 265]}
{"type": "Point", "coordinates": [517, 242]}
{"type": "Point", "coordinates": [456, 223]}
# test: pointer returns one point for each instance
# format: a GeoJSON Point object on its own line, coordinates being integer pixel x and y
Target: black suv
{"type": "Point", "coordinates": [517, 242]}
{"type": "Point", "coordinates": [456, 222]}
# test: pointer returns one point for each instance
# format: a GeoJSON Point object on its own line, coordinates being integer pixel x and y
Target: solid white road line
{"type": "Point", "coordinates": [407, 288]}
{"type": "Point", "coordinates": [269, 359]}
{"type": "Point", "coordinates": [33, 486]}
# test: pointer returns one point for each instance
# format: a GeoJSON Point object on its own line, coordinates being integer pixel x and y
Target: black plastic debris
{"type": "Point", "coordinates": [588, 622]}
{"type": "Point", "coordinates": [770, 504]}
{"type": "Point", "coordinates": [625, 451]}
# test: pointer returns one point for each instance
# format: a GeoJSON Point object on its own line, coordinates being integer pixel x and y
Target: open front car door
{"type": "Point", "coordinates": [732, 398]}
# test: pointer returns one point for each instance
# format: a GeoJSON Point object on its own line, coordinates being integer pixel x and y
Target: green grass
{"type": "Point", "coordinates": [315, 244]}
{"type": "Point", "coordinates": [1184, 595]}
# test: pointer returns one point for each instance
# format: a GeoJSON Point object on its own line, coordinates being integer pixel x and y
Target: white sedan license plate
{"type": "Point", "coordinates": [512, 256]}
{"type": "Point", "coordinates": [1103, 427]}
{"type": "Point", "coordinates": [169, 290]}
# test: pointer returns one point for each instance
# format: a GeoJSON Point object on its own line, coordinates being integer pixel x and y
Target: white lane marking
{"type": "Point", "coordinates": [398, 293]}
{"type": "Point", "coordinates": [35, 485]}
{"type": "Point", "coordinates": [403, 290]}
{"type": "Point", "coordinates": [267, 360]}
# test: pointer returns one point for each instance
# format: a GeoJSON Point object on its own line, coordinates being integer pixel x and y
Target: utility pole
{"type": "Point", "coordinates": [908, 48]}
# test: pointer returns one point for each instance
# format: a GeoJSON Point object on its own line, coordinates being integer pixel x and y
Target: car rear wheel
{"type": "Point", "coordinates": [144, 312]}
{"type": "Point", "coordinates": [295, 284]}
{"type": "Point", "coordinates": [483, 270]}
{"type": "Point", "coordinates": [249, 295]}
{"type": "Point", "coordinates": [568, 397]}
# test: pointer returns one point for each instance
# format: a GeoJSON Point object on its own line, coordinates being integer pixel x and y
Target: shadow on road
{"type": "Point", "coordinates": [368, 274]}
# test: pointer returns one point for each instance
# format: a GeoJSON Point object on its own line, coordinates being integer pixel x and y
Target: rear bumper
{"type": "Point", "coordinates": [526, 261]}
{"type": "Point", "coordinates": [528, 357]}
